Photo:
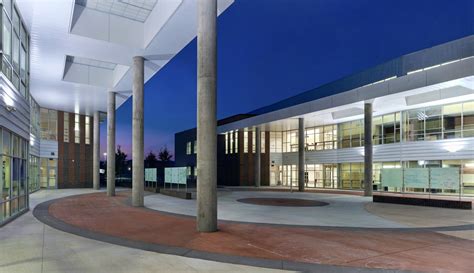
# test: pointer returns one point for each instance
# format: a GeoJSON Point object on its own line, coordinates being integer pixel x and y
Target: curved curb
{"type": "Point", "coordinates": [41, 212]}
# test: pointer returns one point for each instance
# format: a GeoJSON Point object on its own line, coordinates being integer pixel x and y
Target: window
{"type": "Point", "coordinates": [254, 142]}
{"type": "Point", "coordinates": [433, 127]}
{"type": "Point", "coordinates": [77, 129]}
{"type": "Point", "coordinates": [7, 37]}
{"type": "Point", "coordinates": [16, 52]}
{"type": "Point", "coordinates": [452, 121]}
{"type": "Point", "coordinates": [88, 130]}
{"type": "Point", "coordinates": [48, 124]}
{"type": "Point", "coordinates": [290, 141]}
{"type": "Point", "coordinates": [468, 119]}
{"type": "Point", "coordinates": [66, 127]}
{"type": "Point", "coordinates": [386, 129]}
{"type": "Point", "coordinates": [231, 142]}
{"type": "Point", "coordinates": [262, 142]}
{"type": "Point", "coordinates": [439, 122]}
{"type": "Point", "coordinates": [246, 141]}
{"type": "Point", "coordinates": [226, 136]}
{"type": "Point", "coordinates": [236, 141]}
{"type": "Point", "coordinates": [351, 134]}
{"type": "Point", "coordinates": [276, 142]}
{"type": "Point", "coordinates": [189, 171]}
{"type": "Point", "coordinates": [195, 147]}
{"type": "Point", "coordinates": [189, 148]}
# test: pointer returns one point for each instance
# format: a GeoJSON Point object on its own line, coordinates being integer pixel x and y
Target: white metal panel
{"type": "Point", "coordinates": [48, 148]}
{"type": "Point", "coordinates": [18, 119]}
{"type": "Point", "coordinates": [405, 151]}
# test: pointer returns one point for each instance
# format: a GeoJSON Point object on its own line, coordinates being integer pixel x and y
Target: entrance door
{"type": "Point", "coordinates": [275, 176]}
{"type": "Point", "coordinates": [48, 173]}
{"type": "Point", "coordinates": [328, 176]}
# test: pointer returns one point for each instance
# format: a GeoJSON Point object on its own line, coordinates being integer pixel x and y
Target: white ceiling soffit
{"type": "Point", "coordinates": [446, 93]}
{"type": "Point", "coordinates": [354, 111]}
{"type": "Point", "coordinates": [93, 72]}
{"type": "Point", "coordinates": [166, 30]}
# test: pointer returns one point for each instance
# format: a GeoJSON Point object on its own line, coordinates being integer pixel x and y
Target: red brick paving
{"type": "Point", "coordinates": [395, 249]}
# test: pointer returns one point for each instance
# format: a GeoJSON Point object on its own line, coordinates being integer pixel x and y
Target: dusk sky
{"type": "Point", "coordinates": [269, 50]}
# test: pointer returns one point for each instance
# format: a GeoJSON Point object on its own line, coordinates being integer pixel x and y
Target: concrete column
{"type": "Point", "coordinates": [258, 155]}
{"type": "Point", "coordinates": [368, 149]}
{"type": "Point", "coordinates": [96, 153]}
{"type": "Point", "coordinates": [111, 144]}
{"type": "Point", "coordinates": [206, 116]}
{"type": "Point", "coordinates": [301, 144]}
{"type": "Point", "coordinates": [138, 171]}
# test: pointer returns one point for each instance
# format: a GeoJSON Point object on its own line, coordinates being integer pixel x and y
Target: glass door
{"type": "Point", "coordinates": [48, 173]}
{"type": "Point", "coordinates": [52, 173]}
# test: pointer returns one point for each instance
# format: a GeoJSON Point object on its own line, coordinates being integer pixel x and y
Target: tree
{"type": "Point", "coordinates": [120, 161]}
{"type": "Point", "coordinates": [150, 160]}
{"type": "Point", "coordinates": [164, 155]}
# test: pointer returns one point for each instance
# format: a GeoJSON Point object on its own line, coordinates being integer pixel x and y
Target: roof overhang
{"type": "Point", "coordinates": [62, 28]}
{"type": "Point", "coordinates": [448, 83]}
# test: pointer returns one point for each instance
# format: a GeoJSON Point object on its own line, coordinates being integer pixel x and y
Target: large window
{"type": "Point", "coordinates": [276, 142]}
{"type": "Point", "coordinates": [351, 134]}
{"type": "Point", "coordinates": [49, 119]}
{"type": "Point", "coordinates": [439, 122]}
{"type": "Point", "coordinates": [468, 119]}
{"type": "Point", "coordinates": [189, 147]}
{"type": "Point", "coordinates": [386, 129]}
{"type": "Point", "coordinates": [246, 141]}
{"type": "Point", "coordinates": [77, 129]}
{"type": "Point", "coordinates": [87, 130]}
{"type": "Point", "coordinates": [290, 141]}
{"type": "Point", "coordinates": [15, 49]}
{"type": "Point", "coordinates": [13, 177]}
{"type": "Point", "coordinates": [321, 138]}
{"type": "Point", "coordinates": [66, 127]}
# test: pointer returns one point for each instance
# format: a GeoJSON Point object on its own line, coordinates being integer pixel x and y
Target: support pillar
{"type": "Point", "coordinates": [368, 156]}
{"type": "Point", "coordinates": [138, 171]}
{"type": "Point", "coordinates": [258, 155]}
{"type": "Point", "coordinates": [96, 153]}
{"type": "Point", "coordinates": [301, 156]}
{"type": "Point", "coordinates": [111, 144]}
{"type": "Point", "coordinates": [206, 116]}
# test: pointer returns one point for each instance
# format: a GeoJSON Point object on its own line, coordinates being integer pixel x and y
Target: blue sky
{"type": "Point", "coordinates": [269, 50]}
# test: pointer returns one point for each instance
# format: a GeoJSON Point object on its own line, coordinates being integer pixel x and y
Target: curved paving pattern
{"type": "Point", "coordinates": [283, 202]}
{"type": "Point", "coordinates": [321, 249]}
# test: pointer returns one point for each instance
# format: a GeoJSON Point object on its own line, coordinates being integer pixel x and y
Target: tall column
{"type": "Point", "coordinates": [206, 116]}
{"type": "Point", "coordinates": [137, 133]}
{"type": "Point", "coordinates": [368, 149]}
{"type": "Point", "coordinates": [96, 153]}
{"type": "Point", "coordinates": [258, 154]}
{"type": "Point", "coordinates": [111, 144]}
{"type": "Point", "coordinates": [301, 140]}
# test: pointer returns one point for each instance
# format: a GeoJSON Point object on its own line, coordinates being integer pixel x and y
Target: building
{"type": "Point", "coordinates": [420, 105]}
{"type": "Point", "coordinates": [65, 67]}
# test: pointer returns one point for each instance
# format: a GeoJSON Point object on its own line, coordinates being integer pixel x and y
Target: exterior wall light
{"type": "Point", "coordinates": [10, 108]}
{"type": "Point", "coordinates": [9, 103]}
{"type": "Point", "coordinates": [453, 147]}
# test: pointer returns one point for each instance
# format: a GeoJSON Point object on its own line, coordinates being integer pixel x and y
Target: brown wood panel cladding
{"type": "Point", "coordinates": [74, 159]}
{"type": "Point", "coordinates": [238, 169]}
{"type": "Point", "coordinates": [60, 170]}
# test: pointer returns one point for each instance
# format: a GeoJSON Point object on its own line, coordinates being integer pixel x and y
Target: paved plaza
{"type": "Point", "coordinates": [348, 233]}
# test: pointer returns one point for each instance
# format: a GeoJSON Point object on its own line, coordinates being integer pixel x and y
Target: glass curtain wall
{"type": "Point", "coordinates": [15, 48]}
{"type": "Point", "coordinates": [13, 174]}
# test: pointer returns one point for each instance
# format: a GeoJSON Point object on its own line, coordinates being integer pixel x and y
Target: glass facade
{"type": "Point", "coordinates": [15, 48]}
{"type": "Point", "coordinates": [448, 121]}
{"type": "Point", "coordinates": [423, 124]}
{"type": "Point", "coordinates": [13, 174]}
{"type": "Point", "coordinates": [49, 124]}
{"type": "Point", "coordinates": [15, 169]}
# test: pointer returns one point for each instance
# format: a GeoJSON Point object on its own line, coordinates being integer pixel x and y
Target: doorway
{"type": "Point", "coordinates": [48, 172]}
